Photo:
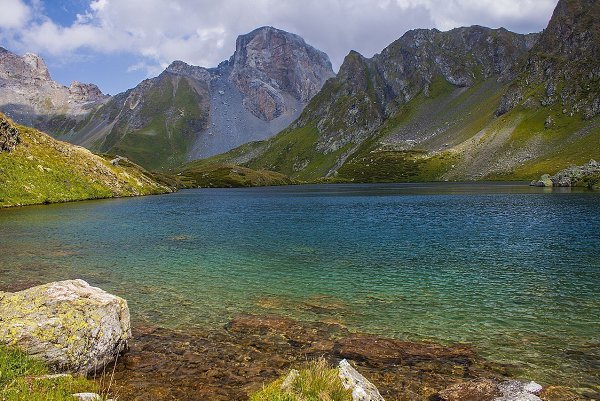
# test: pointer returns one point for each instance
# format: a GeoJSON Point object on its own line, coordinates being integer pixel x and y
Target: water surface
{"type": "Point", "coordinates": [513, 270]}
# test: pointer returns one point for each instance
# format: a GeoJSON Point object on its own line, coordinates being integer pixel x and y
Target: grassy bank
{"type": "Point", "coordinates": [21, 378]}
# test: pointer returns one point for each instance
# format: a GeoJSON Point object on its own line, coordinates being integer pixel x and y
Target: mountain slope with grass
{"type": "Point", "coordinates": [468, 104]}
{"type": "Point", "coordinates": [36, 169]}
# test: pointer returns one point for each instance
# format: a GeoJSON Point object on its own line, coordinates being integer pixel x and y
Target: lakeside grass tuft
{"type": "Point", "coordinates": [316, 381]}
{"type": "Point", "coordinates": [18, 380]}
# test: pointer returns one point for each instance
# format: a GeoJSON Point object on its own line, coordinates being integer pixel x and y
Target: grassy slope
{"type": "Point", "coordinates": [226, 175]}
{"type": "Point", "coordinates": [470, 143]}
{"type": "Point", "coordinates": [16, 370]}
{"type": "Point", "coordinates": [44, 170]}
{"type": "Point", "coordinates": [173, 111]}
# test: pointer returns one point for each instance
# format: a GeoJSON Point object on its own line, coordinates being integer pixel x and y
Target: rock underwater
{"type": "Point", "coordinates": [70, 325]}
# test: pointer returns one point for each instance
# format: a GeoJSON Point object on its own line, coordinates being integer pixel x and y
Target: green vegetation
{"type": "Point", "coordinates": [172, 112]}
{"type": "Point", "coordinates": [396, 166]}
{"type": "Point", "coordinates": [18, 380]}
{"type": "Point", "coordinates": [231, 176]}
{"type": "Point", "coordinates": [317, 381]}
{"type": "Point", "coordinates": [43, 170]}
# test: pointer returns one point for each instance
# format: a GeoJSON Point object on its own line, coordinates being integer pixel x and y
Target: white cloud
{"type": "Point", "coordinates": [203, 32]}
{"type": "Point", "coordinates": [13, 14]}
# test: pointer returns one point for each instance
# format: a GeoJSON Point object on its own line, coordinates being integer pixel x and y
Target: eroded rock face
{"type": "Point", "coordinates": [70, 325]}
{"type": "Point", "coordinates": [9, 135]}
{"type": "Point", "coordinates": [269, 63]}
{"type": "Point", "coordinates": [564, 63]}
{"type": "Point", "coordinates": [30, 96]}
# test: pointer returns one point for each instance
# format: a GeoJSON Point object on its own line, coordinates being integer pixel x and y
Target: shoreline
{"type": "Point", "coordinates": [517, 183]}
{"type": "Point", "coordinates": [251, 351]}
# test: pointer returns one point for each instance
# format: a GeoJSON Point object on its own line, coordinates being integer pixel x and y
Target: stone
{"type": "Point", "coordinates": [362, 389]}
{"type": "Point", "coordinates": [544, 181]}
{"type": "Point", "coordinates": [87, 397]}
{"type": "Point", "coordinates": [491, 390]}
{"type": "Point", "coordinates": [473, 390]}
{"type": "Point", "coordinates": [515, 390]}
{"type": "Point", "coordinates": [70, 325]}
{"type": "Point", "coordinates": [289, 380]}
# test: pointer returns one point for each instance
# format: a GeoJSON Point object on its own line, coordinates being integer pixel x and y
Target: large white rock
{"type": "Point", "coordinates": [71, 325]}
{"type": "Point", "coordinates": [362, 389]}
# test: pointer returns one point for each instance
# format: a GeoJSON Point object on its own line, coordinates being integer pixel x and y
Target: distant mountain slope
{"type": "Point", "coordinates": [470, 103]}
{"type": "Point", "coordinates": [35, 168]}
{"type": "Point", "coordinates": [189, 112]}
{"type": "Point", "coordinates": [30, 96]}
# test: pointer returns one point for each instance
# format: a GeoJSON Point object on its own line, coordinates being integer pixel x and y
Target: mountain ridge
{"type": "Point", "coordinates": [466, 104]}
{"type": "Point", "coordinates": [160, 124]}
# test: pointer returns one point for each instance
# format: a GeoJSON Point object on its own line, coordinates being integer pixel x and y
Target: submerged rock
{"type": "Point", "coordinates": [362, 389]}
{"type": "Point", "coordinates": [492, 390]}
{"type": "Point", "coordinates": [473, 390]}
{"type": "Point", "coordinates": [71, 325]}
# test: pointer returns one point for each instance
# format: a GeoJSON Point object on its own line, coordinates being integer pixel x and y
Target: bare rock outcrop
{"type": "Point", "coordinates": [71, 325]}
{"type": "Point", "coordinates": [9, 136]}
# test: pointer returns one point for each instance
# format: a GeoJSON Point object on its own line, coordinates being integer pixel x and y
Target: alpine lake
{"type": "Point", "coordinates": [510, 269]}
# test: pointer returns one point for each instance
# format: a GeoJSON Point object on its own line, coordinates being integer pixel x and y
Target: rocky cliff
{"type": "Point", "coordinates": [471, 103]}
{"type": "Point", "coordinates": [563, 69]}
{"type": "Point", "coordinates": [186, 112]}
{"type": "Point", "coordinates": [30, 96]}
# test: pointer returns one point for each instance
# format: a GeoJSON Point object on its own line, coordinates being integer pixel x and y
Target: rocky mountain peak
{"type": "Point", "coordinates": [565, 63]}
{"type": "Point", "coordinates": [29, 68]}
{"type": "Point", "coordinates": [85, 92]}
{"type": "Point", "coordinates": [179, 67]}
{"type": "Point", "coordinates": [269, 64]}
{"type": "Point", "coordinates": [37, 65]}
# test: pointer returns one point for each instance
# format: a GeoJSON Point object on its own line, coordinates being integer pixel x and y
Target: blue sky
{"type": "Point", "coordinates": [117, 43]}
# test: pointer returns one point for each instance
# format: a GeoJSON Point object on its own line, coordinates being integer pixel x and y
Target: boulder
{"type": "Point", "coordinates": [70, 325]}
{"type": "Point", "coordinates": [544, 181]}
{"type": "Point", "coordinates": [362, 389]}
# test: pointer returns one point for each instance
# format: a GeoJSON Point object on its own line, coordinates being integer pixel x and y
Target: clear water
{"type": "Point", "coordinates": [513, 270]}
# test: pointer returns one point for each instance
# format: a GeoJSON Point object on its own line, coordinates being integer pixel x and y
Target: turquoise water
{"type": "Point", "coordinates": [513, 270]}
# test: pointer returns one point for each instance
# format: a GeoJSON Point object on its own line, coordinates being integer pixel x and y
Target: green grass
{"type": "Point", "coordinates": [317, 381]}
{"type": "Point", "coordinates": [43, 170]}
{"type": "Point", "coordinates": [232, 176]}
{"type": "Point", "coordinates": [172, 112]}
{"type": "Point", "coordinates": [17, 383]}
{"type": "Point", "coordinates": [293, 153]}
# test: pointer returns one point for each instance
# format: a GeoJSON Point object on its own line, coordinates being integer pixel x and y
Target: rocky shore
{"type": "Point", "coordinates": [70, 324]}
{"type": "Point", "coordinates": [587, 176]}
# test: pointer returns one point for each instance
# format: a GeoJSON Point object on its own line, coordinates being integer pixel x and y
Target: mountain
{"type": "Point", "coordinates": [187, 111]}
{"type": "Point", "coordinates": [471, 103]}
{"type": "Point", "coordinates": [35, 168]}
{"type": "Point", "coordinates": [30, 96]}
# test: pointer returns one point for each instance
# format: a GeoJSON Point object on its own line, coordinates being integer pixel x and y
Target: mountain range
{"type": "Point", "coordinates": [467, 104]}
{"type": "Point", "coordinates": [185, 113]}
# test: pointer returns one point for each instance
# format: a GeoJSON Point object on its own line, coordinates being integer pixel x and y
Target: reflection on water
{"type": "Point", "coordinates": [512, 269]}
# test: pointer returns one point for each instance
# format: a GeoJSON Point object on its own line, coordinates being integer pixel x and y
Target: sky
{"type": "Point", "coordinates": [117, 43]}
